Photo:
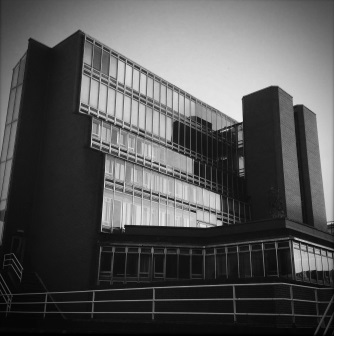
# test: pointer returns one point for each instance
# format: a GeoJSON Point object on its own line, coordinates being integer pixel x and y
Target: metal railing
{"type": "Point", "coordinates": [323, 319]}
{"type": "Point", "coordinates": [5, 293]}
{"type": "Point", "coordinates": [10, 260]}
{"type": "Point", "coordinates": [153, 302]}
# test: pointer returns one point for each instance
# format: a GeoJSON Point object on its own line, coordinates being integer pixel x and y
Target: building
{"type": "Point", "coordinates": [112, 176]}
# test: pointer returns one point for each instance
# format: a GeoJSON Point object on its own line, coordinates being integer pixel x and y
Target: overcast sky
{"type": "Point", "coordinates": [218, 51]}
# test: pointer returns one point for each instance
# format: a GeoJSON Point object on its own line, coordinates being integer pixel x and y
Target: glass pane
{"type": "Point", "coordinates": [119, 170]}
{"type": "Point", "coordinates": [106, 262]}
{"type": "Point", "coordinates": [15, 74]}
{"type": "Point", "coordinates": [97, 58]}
{"type": "Point", "coordinates": [209, 267]}
{"type": "Point", "coordinates": [136, 80]}
{"type": "Point", "coordinates": [105, 63]}
{"type": "Point", "coordinates": [103, 98]}
{"type": "Point", "coordinates": [244, 265]}
{"type": "Point", "coordinates": [305, 266]}
{"type": "Point", "coordinates": [184, 267]}
{"type": "Point", "coordinates": [12, 140]}
{"type": "Point", "coordinates": [162, 125]}
{"type": "Point", "coordinates": [170, 98]}
{"type": "Point", "coordinates": [171, 266]}
{"type": "Point", "coordinates": [129, 71]}
{"type": "Point", "coordinates": [141, 122]}
{"type": "Point", "coordinates": [127, 109]}
{"type": "Point", "coordinates": [148, 120]}
{"type": "Point", "coordinates": [87, 58]}
{"type": "Point", "coordinates": [169, 128]}
{"type": "Point", "coordinates": [143, 83]}
{"type": "Point", "coordinates": [298, 264]}
{"type": "Point", "coordinates": [150, 87]}
{"type": "Point", "coordinates": [156, 122]}
{"type": "Point", "coordinates": [17, 102]}
{"type": "Point", "coordinates": [163, 94]}
{"type": "Point", "coordinates": [5, 145]}
{"type": "Point", "coordinates": [220, 265]}
{"type": "Point", "coordinates": [197, 265]}
{"type": "Point", "coordinates": [119, 263]}
{"type": "Point", "coordinates": [22, 70]}
{"type": "Point", "coordinates": [121, 68]}
{"type": "Point", "coordinates": [5, 185]}
{"type": "Point", "coordinates": [176, 101]}
{"type": "Point", "coordinates": [94, 93]}
{"type": "Point", "coordinates": [132, 265]}
{"type": "Point", "coordinates": [154, 214]}
{"type": "Point", "coordinates": [119, 106]}
{"type": "Point", "coordinates": [181, 104]}
{"type": "Point", "coordinates": [156, 90]}
{"type": "Point", "coordinates": [111, 101]}
{"type": "Point", "coordinates": [284, 262]}
{"type": "Point", "coordinates": [113, 67]}
{"type": "Point", "coordinates": [270, 262]}
{"type": "Point", "coordinates": [135, 113]}
{"type": "Point", "coordinates": [85, 88]}
{"type": "Point", "coordinates": [10, 108]}
{"type": "Point", "coordinates": [232, 265]}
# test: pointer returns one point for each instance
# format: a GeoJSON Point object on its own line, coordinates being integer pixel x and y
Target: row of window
{"type": "Point", "coordinates": [313, 264]}
{"type": "Point", "coordinates": [167, 160]}
{"type": "Point", "coordinates": [8, 146]}
{"type": "Point", "coordinates": [156, 124]}
{"type": "Point", "coordinates": [137, 208]}
{"type": "Point", "coordinates": [157, 263]}
{"type": "Point", "coordinates": [153, 182]}
{"type": "Point", "coordinates": [117, 68]}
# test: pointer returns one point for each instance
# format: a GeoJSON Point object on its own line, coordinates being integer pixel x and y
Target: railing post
{"type": "Point", "coordinates": [292, 305]}
{"type": "Point", "coordinates": [317, 307]}
{"type": "Point", "coordinates": [153, 304]}
{"type": "Point", "coordinates": [45, 307]}
{"type": "Point", "coordinates": [234, 301]}
{"type": "Point", "coordinates": [93, 299]}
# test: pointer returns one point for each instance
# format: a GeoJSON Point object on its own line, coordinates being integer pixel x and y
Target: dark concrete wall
{"type": "Point", "coordinates": [270, 153]}
{"type": "Point", "coordinates": [310, 168]}
{"type": "Point", "coordinates": [62, 211]}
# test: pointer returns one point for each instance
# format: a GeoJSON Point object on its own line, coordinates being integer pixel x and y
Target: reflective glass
{"type": "Point", "coordinates": [15, 75]}
{"type": "Point", "coordinates": [162, 125]}
{"type": "Point", "coordinates": [103, 98]}
{"type": "Point", "coordinates": [5, 145]}
{"type": "Point", "coordinates": [113, 67]}
{"type": "Point", "coordinates": [298, 264]}
{"type": "Point", "coordinates": [181, 104]}
{"type": "Point", "coordinates": [148, 120]}
{"type": "Point", "coordinates": [156, 123]}
{"type": "Point", "coordinates": [127, 109]}
{"type": "Point", "coordinates": [85, 90]}
{"type": "Point", "coordinates": [141, 123]}
{"type": "Point", "coordinates": [105, 63]}
{"type": "Point", "coordinates": [10, 108]}
{"type": "Point", "coordinates": [156, 90]}
{"type": "Point", "coordinates": [163, 94]}
{"type": "Point", "coordinates": [244, 264]}
{"type": "Point", "coordinates": [170, 98]}
{"type": "Point", "coordinates": [143, 83]}
{"type": "Point", "coordinates": [169, 128]}
{"type": "Point", "coordinates": [154, 214]}
{"type": "Point", "coordinates": [176, 101]}
{"type": "Point", "coordinates": [87, 58]}
{"type": "Point", "coordinates": [22, 70]}
{"type": "Point", "coordinates": [284, 262]}
{"type": "Point", "coordinates": [12, 140]}
{"type": "Point", "coordinates": [129, 71]}
{"type": "Point", "coordinates": [94, 93]}
{"type": "Point", "coordinates": [187, 107]}
{"type": "Point", "coordinates": [134, 113]}
{"type": "Point", "coordinates": [111, 101]}
{"type": "Point", "coordinates": [150, 87]}
{"type": "Point", "coordinates": [6, 180]}
{"type": "Point", "coordinates": [119, 170]}
{"type": "Point", "coordinates": [136, 80]}
{"type": "Point", "coordinates": [97, 58]}
{"type": "Point", "coordinates": [17, 102]}
{"type": "Point", "coordinates": [232, 265]}
{"type": "Point", "coordinates": [119, 106]}
{"type": "Point", "coordinates": [117, 213]}
{"type": "Point", "coordinates": [121, 68]}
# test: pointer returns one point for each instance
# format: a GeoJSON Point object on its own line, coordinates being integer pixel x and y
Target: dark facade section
{"type": "Point", "coordinates": [314, 210]}
{"type": "Point", "coordinates": [271, 166]}
{"type": "Point", "coordinates": [28, 146]}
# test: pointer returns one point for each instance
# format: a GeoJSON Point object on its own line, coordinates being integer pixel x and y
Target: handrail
{"type": "Point", "coordinates": [323, 317]}
{"type": "Point", "coordinates": [5, 293]}
{"type": "Point", "coordinates": [86, 305]}
{"type": "Point", "coordinates": [48, 294]}
{"type": "Point", "coordinates": [12, 261]}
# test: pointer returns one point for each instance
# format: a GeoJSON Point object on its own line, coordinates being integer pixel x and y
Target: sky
{"type": "Point", "coordinates": [218, 51]}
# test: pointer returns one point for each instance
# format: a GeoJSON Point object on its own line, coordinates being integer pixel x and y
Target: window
{"type": "Point", "coordinates": [85, 88]}
{"type": "Point", "coordinates": [143, 83]}
{"type": "Point", "coordinates": [119, 170]}
{"type": "Point", "coordinates": [156, 90]}
{"type": "Point", "coordinates": [119, 106]}
{"type": "Point", "coordinates": [148, 120]}
{"type": "Point", "coordinates": [94, 93]}
{"type": "Point", "coordinates": [244, 262]}
{"type": "Point", "coordinates": [171, 264]}
{"type": "Point", "coordinates": [109, 165]}
{"type": "Point", "coordinates": [270, 259]}
{"type": "Point", "coordinates": [113, 68]}
{"type": "Point", "coordinates": [115, 136]}
{"type": "Point", "coordinates": [96, 129]}
{"type": "Point", "coordinates": [232, 263]}
{"type": "Point", "coordinates": [107, 209]}
{"type": "Point", "coordinates": [141, 123]}
{"type": "Point", "coordinates": [297, 259]}
{"type": "Point", "coordinates": [135, 113]}
{"type": "Point", "coordinates": [105, 63]}
{"type": "Point", "coordinates": [106, 133]}
{"type": "Point", "coordinates": [97, 58]}
{"type": "Point", "coordinates": [121, 68]}
{"type": "Point", "coordinates": [111, 101]}
{"type": "Point", "coordinates": [129, 71]}
{"type": "Point", "coordinates": [87, 58]}
{"type": "Point", "coordinates": [136, 80]}
{"type": "Point", "coordinates": [156, 123]}
{"type": "Point", "coordinates": [127, 109]}
{"type": "Point", "coordinates": [123, 139]}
